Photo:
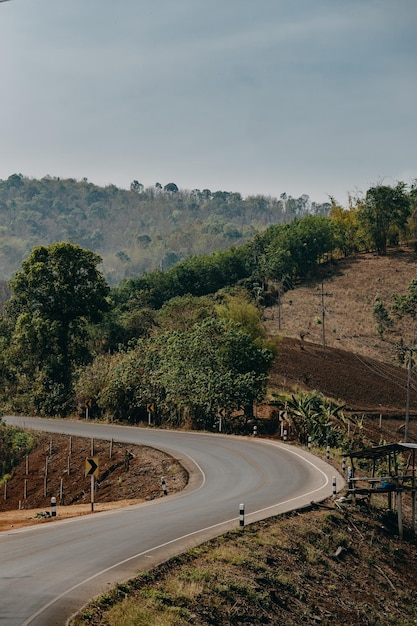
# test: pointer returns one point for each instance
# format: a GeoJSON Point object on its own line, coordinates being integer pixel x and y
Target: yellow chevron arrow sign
{"type": "Point", "coordinates": [91, 466]}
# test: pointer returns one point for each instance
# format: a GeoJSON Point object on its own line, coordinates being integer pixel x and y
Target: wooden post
{"type": "Point", "coordinates": [413, 495]}
{"type": "Point", "coordinates": [400, 514]}
{"type": "Point", "coordinates": [111, 448]}
{"type": "Point", "coordinates": [27, 464]}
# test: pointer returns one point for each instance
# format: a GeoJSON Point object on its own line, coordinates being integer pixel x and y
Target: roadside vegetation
{"type": "Point", "coordinates": [189, 341]}
{"type": "Point", "coordinates": [190, 345]}
{"type": "Point", "coordinates": [336, 565]}
{"type": "Point", "coordinates": [15, 443]}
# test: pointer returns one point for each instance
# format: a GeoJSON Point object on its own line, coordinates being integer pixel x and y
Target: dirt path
{"type": "Point", "coordinates": [28, 517]}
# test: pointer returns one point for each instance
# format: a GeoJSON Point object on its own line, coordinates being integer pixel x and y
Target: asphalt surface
{"type": "Point", "coordinates": [48, 572]}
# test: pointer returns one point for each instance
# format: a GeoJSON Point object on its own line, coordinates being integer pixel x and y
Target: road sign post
{"type": "Point", "coordinates": [221, 414]}
{"type": "Point", "coordinates": [91, 469]}
{"type": "Point", "coordinates": [88, 404]}
{"type": "Point", "coordinates": [150, 408]}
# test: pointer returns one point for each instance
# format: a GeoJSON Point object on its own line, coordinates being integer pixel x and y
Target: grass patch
{"type": "Point", "coordinates": [280, 571]}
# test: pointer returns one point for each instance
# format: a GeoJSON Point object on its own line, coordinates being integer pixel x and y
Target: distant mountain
{"type": "Point", "coordinates": [136, 230]}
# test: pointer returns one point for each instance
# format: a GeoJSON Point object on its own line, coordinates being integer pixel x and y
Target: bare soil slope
{"type": "Point", "coordinates": [349, 361]}
{"type": "Point", "coordinates": [363, 384]}
{"type": "Point", "coordinates": [127, 474]}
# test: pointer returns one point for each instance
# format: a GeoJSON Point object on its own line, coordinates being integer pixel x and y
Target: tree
{"type": "Point", "coordinates": [346, 228]}
{"type": "Point", "coordinates": [381, 316]}
{"type": "Point", "coordinates": [58, 290]}
{"type": "Point", "coordinates": [384, 213]}
{"type": "Point", "coordinates": [136, 186]}
{"type": "Point", "coordinates": [171, 187]}
{"type": "Point", "coordinates": [214, 366]}
{"type": "Point", "coordinates": [406, 304]}
{"type": "Point", "coordinates": [188, 375]}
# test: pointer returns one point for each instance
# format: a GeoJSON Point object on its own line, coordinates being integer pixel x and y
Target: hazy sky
{"type": "Point", "coordinates": [255, 96]}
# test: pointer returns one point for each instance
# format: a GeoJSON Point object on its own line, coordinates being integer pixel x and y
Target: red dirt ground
{"type": "Point", "coordinates": [362, 384]}
{"type": "Point", "coordinates": [132, 474]}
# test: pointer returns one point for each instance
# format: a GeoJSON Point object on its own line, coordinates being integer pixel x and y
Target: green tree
{"type": "Point", "coordinates": [56, 293]}
{"type": "Point", "coordinates": [188, 375]}
{"type": "Point", "coordinates": [214, 366]}
{"type": "Point", "coordinates": [171, 187]}
{"type": "Point", "coordinates": [346, 228]}
{"type": "Point", "coordinates": [406, 304]}
{"type": "Point", "coordinates": [294, 250]}
{"type": "Point", "coordinates": [384, 214]}
{"type": "Point", "coordinates": [381, 317]}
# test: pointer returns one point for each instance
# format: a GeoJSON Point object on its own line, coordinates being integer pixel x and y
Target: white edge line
{"type": "Point", "coordinates": [188, 535]}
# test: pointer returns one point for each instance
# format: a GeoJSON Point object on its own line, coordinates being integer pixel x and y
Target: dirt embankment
{"type": "Point", "coordinates": [127, 475]}
{"type": "Point", "coordinates": [361, 383]}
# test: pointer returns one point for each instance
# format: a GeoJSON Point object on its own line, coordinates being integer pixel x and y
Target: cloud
{"type": "Point", "coordinates": [257, 97]}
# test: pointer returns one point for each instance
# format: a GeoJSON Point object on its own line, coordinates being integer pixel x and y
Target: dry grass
{"type": "Point", "coordinates": [337, 568]}
{"type": "Point", "coordinates": [350, 289]}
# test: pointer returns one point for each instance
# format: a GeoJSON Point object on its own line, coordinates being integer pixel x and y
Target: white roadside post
{"type": "Point", "coordinates": [241, 515]}
{"type": "Point", "coordinates": [53, 506]}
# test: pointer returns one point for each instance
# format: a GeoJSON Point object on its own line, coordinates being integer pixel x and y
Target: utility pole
{"type": "Point", "coordinates": [323, 314]}
{"type": "Point", "coordinates": [410, 349]}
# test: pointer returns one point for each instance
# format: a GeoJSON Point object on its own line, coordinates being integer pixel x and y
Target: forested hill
{"type": "Point", "coordinates": [136, 230]}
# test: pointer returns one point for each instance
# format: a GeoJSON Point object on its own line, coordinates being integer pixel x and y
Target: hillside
{"type": "Point", "coordinates": [136, 230]}
{"type": "Point", "coordinates": [355, 366]}
{"type": "Point", "coordinates": [336, 565]}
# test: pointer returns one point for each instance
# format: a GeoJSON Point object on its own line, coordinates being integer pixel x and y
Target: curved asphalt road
{"type": "Point", "coordinates": [47, 572]}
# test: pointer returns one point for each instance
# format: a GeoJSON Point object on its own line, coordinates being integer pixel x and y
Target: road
{"type": "Point", "coordinates": [49, 571]}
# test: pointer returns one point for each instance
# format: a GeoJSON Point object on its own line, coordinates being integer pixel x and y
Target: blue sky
{"type": "Point", "coordinates": [314, 97]}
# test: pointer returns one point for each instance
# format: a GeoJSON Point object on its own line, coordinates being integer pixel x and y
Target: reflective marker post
{"type": "Point", "coordinates": [241, 515]}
